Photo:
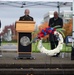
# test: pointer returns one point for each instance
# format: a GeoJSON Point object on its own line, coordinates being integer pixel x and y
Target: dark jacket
{"type": "Point", "coordinates": [52, 23]}
{"type": "Point", "coordinates": [26, 18]}
{"type": "Point", "coordinates": [0, 24]}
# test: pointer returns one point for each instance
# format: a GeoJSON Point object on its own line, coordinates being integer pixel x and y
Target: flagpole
{"type": "Point", "coordinates": [72, 52]}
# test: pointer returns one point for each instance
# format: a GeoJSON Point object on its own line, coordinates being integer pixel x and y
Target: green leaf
{"type": "Point", "coordinates": [61, 33]}
{"type": "Point", "coordinates": [58, 26]}
{"type": "Point", "coordinates": [60, 29]}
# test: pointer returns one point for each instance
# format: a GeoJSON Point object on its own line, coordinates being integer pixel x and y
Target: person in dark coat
{"type": "Point", "coordinates": [55, 21]}
{"type": "Point", "coordinates": [0, 23]}
{"type": "Point", "coordinates": [0, 33]}
{"type": "Point", "coordinates": [26, 17]}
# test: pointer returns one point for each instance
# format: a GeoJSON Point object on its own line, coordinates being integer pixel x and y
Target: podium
{"type": "Point", "coordinates": [24, 36]}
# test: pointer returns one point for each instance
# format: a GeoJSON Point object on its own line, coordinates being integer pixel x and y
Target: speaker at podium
{"type": "Point", "coordinates": [24, 31]}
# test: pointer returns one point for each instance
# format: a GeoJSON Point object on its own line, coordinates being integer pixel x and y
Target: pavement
{"type": "Point", "coordinates": [9, 58]}
{"type": "Point", "coordinates": [8, 53]}
{"type": "Point", "coordinates": [9, 47]}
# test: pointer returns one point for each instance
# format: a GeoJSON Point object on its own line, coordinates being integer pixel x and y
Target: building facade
{"type": "Point", "coordinates": [47, 16]}
{"type": "Point", "coordinates": [65, 15]}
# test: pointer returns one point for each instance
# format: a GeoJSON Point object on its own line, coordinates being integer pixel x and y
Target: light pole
{"type": "Point", "coordinates": [58, 8]}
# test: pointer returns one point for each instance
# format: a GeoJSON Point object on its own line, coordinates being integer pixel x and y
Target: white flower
{"type": "Point", "coordinates": [54, 51]}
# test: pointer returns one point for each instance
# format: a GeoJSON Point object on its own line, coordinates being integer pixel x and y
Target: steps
{"type": "Point", "coordinates": [36, 69]}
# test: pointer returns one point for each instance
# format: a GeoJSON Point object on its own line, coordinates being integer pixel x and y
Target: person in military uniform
{"type": "Point", "coordinates": [26, 17]}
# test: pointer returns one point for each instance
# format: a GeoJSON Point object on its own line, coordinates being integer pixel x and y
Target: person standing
{"type": "Point", "coordinates": [26, 17]}
{"type": "Point", "coordinates": [0, 23]}
{"type": "Point", "coordinates": [0, 40]}
{"type": "Point", "coordinates": [55, 21]}
{"type": "Point", "coordinates": [0, 32]}
{"type": "Point", "coordinates": [25, 38]}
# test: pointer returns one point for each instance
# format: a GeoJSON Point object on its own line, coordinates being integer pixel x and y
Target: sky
{"type": "Point", "coordinates": [9, 15]}
{"type": "Point", "coordinates": [41, 0]}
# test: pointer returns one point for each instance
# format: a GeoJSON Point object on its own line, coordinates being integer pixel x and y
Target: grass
{"type": "Point", "coordinates": [35, 49]}
{"type": "Point", "coordinates": [66, 48]}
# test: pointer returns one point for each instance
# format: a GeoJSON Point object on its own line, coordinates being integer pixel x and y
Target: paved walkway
{"type": "Point", "coordinates": [9, 47]}
{"type": "Point", "coordinates": [9, 58]}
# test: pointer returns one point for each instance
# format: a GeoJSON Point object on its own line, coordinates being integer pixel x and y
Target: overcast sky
{"type": "Point", "coordinates": [8, 15]}
{"type": "Point", "coordinates": [41, 0]}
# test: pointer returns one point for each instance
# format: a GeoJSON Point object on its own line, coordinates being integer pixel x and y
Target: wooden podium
{"type": "Point", "coordinates": [24, 30]}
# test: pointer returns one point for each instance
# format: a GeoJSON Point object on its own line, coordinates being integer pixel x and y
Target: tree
{"type": "Point", "coordinates": [68, 28]}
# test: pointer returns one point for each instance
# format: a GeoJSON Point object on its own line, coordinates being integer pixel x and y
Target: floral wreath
{"type": "Point", "coordinates": [54, 51]}
{"type": "Point", "coordinates": [49, 30]}
{"type": "Point", "coordinates": [56, 31]}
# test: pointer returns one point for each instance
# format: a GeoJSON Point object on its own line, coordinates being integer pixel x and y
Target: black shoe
{"type": "Point", "coordinates": [57, 55]}
{"type": "Point", "coordinates": [54, 56]}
